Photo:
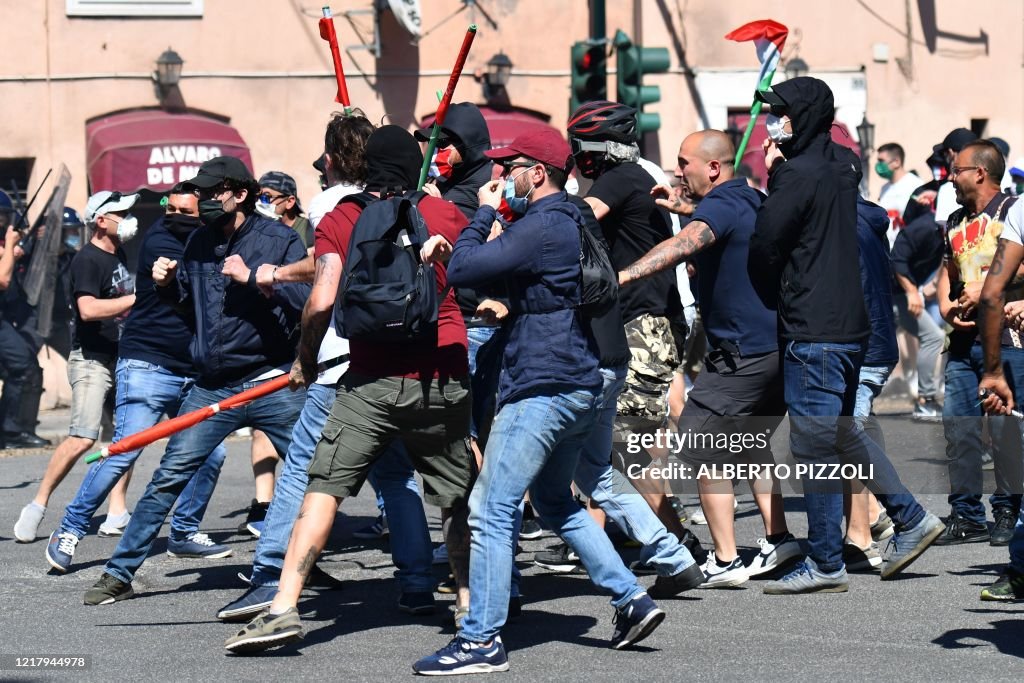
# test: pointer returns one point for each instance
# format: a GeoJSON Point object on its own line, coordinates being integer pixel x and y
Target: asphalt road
{"type": "Point", "coordinates": [928, 626]}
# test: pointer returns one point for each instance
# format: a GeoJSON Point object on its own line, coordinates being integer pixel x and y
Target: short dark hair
{"type": "Point", "coordinates": [248, 207]}
{"type": "Point", "coordinates": [558, 176]}
{"type": "Point", "coordinates": [894, 149]}
{"type": "Point", "coordinates": [184, 188]}
{"type": "Point", "coordinates": [986, 155]}
{"type": "Point", "coordinates": [345, 143]}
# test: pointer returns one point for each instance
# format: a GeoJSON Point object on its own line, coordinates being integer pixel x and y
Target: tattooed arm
{"type": "Point", "coordinates": [696, 236]}
{"type": "Point", "coordinates": [316, 318]}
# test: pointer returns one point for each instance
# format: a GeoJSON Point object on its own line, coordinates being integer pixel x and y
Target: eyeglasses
{"type": "Point", "coordinates": [268, 198]}
{"type": "Point", "coordinates": [507, 166]}
{"type": "Point", "coordinates": [956, 170]}
{"type": "Point", "coordinates": [213, 192]}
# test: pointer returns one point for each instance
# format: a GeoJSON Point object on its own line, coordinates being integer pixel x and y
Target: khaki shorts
{"type": "Point", "coordinates": [653, 358]}
{"type": "Point", "coordinates": [90, 381]}
{"type": "Point", "coordinates": [431, 418]}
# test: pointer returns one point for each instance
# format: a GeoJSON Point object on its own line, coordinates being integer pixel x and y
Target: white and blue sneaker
{"type": "Point", "coordinates": [774, 555]}
{"type": "Point", "coordinates": [634, 621]}
{"type": "Point", "coordinates": [196, 545]}
{"type": "Point", "coordinates": [61, 550]}
{"type": "Point", "coordinates": [251, 604]}
{"type": "Point", "coordinates": [463, 657]}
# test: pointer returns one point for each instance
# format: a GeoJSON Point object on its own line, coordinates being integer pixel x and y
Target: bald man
{"type": "Point", "coordinates": [740, 393]}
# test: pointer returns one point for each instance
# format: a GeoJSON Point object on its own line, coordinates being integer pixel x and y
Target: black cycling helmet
{"type": "Point", "coordinates": [603, 120]}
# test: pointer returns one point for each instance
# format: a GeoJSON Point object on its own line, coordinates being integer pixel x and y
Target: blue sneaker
{"type": "Point", "coordinates": [463, 657]}
{"type": "Point", "coordinates": [61, 550]}
{"type": "Point", "coordinates": [197, 545]}
{"type": "Point", "coordinates": [252, 602]}
{"type": "Point", "coordinates": [255, 528]}
{"type": "Point", "coordinates": [807, 578]}
{"type": "Point", "coordinates": [906, 546]}
{"type": "Point", "coordinates": [635, 621]}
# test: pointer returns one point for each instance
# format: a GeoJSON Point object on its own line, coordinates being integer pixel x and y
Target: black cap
{"type": "Point", "coordinates": [320, 165]}
{"type": "Point", "coordinates": [423, 135]}
{"type": "Point", "coordinates": [772, 99]}
{"type": "Point", "coordinates": [1002, 145]}
{"type": "Point", "coordinates": [215, 171]}
{"type": "Point", "coordinates": [956, 140]}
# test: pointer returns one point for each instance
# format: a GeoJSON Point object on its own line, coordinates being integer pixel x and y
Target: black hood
{"type": "Point", "coordinates": [467, 129]}
{"type": "Point", "coordinates": [393, 160]}
{"type": "Point", "coordinates": [810, 107]}
{"type": "Point", "coordinates": [873, 217]}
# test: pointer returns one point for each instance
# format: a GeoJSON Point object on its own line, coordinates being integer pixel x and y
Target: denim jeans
{"type": "Point", "coordinates": [275, 415]}
{"type": "Point", "coordinates": [870, 382]}
{"type": "Point", "coordinates": [485, 350]}
{"type": "Point", "coordinates": [821, 381]}
{"type": "Point", "coordinates": [612, 492]}
{"type": "Point", "coordinates": [962, 424]}
{"type": "Point", "coordinates": [1017, 544]}
{"type": "Point", "coordinates": [535, 444]}
{"type": "Point", "coordinates": [144, 392]}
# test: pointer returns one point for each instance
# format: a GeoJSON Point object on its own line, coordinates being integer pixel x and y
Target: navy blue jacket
{"type": "Point", "coordinates": [240, 334]}
{"type": "Point", "coordinates": [875, 279]}
{"type": "Point", "coordinates": [548, 349]}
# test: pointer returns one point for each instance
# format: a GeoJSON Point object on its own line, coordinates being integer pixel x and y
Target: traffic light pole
{"type": "Point", "coordinates": [598, 31]}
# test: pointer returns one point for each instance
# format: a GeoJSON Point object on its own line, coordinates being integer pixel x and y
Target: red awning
{"type": "Point", "coordinates": [155, 149]}
{"type": "Point", "coordinates": [504, 126]}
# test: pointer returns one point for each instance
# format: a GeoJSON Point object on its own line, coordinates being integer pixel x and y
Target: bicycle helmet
{"type": "Point", "coordinates": [603, 120]}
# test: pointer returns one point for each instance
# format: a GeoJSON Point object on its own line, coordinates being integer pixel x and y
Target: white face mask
{"type": "Point", "coordinates": [267, 210]}
{"type": "Point", "coordinates": [127, 228]}
{"type": "Point", "coordinates": [775, 125]}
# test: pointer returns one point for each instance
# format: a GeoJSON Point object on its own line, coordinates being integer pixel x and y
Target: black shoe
{"type": "Point", "coordinates": [254, 520]}
{"type": "Point", "coordinates": [108, 590]}
{"type": "Point", "coordinates": [561, 559]}
{"type": "Point", "coordinates": [1002, 531]}
{"type": "Point", "coordinates": [318, 579]}
{"type": "Point", "coordinates": [515, 607]}
{"type": "Point", "coordinates": [692, 544]}
{"type": "Point", "coordinates": [670, 586]}
{"type": "Point", "coordinates": [959, 530]}
{"type": "Point", "coordinates": [417, 603]}
{"type": "Point", "coordinates": [530, 530]}
{"type": "Point", "coordinates": [24, 440]}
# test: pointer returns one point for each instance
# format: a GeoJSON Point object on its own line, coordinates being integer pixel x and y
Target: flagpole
{"type": "Point", "coordinates": [755, 111]}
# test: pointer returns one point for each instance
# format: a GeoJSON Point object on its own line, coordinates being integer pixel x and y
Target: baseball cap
{"type": "Point", "coordinates": [772, 99]}
{"type": "Point", "coordinates": [1018, 167]}
{"type": "Point", "coordinates": [546, 145]}
{"type": "Point", "coordinates": [105, 202]}
{"type": "Point", "coordinates": [423, 135]}
{"type": "Point", "coordinates": [1002, 145]}
{"type": "Point", "coordinates": [280, 182]}
{"type": "Point", "coordinates": [213, 172]}
{"type": "Point", "coordinates": [320, 165]}
{"type": "Point", "coordinates": [956, 140]}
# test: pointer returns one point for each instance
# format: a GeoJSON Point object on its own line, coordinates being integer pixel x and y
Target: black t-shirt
{"type": "Point", "coordinates": [100, 274]}
{"type": "Point", "coordinates": [633, 226]}
{"type": "Point", "coordinates": [154, 332]}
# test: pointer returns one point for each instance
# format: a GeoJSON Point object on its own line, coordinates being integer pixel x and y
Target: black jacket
{"type": "Point", "coordinates": [917, 252]}
{"type": "Point", "coordinates": [239, 333]}
{"type": "Point", "coordinates": [875, 276]}
{"type": "Point", "coordinates": [805, 238]}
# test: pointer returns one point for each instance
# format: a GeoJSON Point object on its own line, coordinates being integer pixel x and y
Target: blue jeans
{"type": "Point", "coordinates": [870, 382]}
{"type": "Point", "coordinates": [613, 493]}
{"type": "Point", "coordinates": [485, 350]}
{"type": "Point", "coordinates": [821, 381]}
{"type": "Point", "coordinates": [144, 392]}
{"type": "Point", "coordinates": [1017, 544]}
{"type": "Point", "coordinates": [275, 415]}
{"type": "Point", "coordinates": [962, 424]}
{"type": "Point", "coordinates": [534, 444]}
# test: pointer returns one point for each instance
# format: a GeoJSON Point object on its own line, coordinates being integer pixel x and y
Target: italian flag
{"type": "Point", "coordinates": [769, 37]}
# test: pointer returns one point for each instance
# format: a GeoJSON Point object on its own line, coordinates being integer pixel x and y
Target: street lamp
{"type": "Point", "coordinates": [499, 70]}
{"type": "Point", "coordinates": [866, 136]}
{"type": "Point", "coordinates": [166, 78]}
{"type": "Point", "coordinates": [796, 67]}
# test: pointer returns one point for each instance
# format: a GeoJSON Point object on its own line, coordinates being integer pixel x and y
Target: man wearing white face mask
{"type": "Point", "coordinates": [279, 200]}
{"type": "Point", "coordinates": [104, 292]}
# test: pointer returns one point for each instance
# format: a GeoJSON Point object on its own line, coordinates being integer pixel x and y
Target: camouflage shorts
{"type": "Point", "coordinates": [654, 358]}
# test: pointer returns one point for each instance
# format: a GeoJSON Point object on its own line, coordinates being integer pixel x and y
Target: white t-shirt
{"type": "Point", "coordinates": [1013, 226]}
{"type": "Point", "coordinates": [682, 279]}
{"type": "Point", "coordinates": [333, 345]}
{"type": "Point", "coordinates": [893, 198]}
{"type": "Point", "coordinates": [945, 202]}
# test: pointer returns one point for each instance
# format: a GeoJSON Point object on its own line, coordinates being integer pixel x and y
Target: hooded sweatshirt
{"type": "Point", "coordinates": [875, 276]}
{"type": "Point", "coordinates": [805, 240]}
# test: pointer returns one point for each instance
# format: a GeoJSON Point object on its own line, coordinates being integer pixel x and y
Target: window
{"type": "Point", "coordinates": [134, 8]}
{"type": "Point", "coordinates": [15, 173]}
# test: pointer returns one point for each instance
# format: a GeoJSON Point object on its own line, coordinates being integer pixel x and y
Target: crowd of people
{"type": "Point", "coordinates": [501, 337]}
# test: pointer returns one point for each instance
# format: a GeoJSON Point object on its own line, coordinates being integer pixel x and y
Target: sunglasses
{"type": "Point", "coordinates": [579, 147]}
{"type": "Point", "coordinates": [507, 166]}
{"type": "Point", "coordinates": [268, 198]}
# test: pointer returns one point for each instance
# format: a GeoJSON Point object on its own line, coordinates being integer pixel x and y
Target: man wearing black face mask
{"type": "Point", "coordinates": [242, 337]}
{"type": "Point", "coordinates": [153, 374]}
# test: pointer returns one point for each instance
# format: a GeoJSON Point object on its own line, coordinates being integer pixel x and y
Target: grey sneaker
{"type": "Point", "coordinates": [807, 578]}
{"type": "Point", "coordinates": [906, 546]}
{"type": "Point", "coordinates": [881, 528]}
{"type": "Point", "coordinates": [114, 526]}
{"type": "Point", "coordinates": [267, 631]}
{"type": "Point", "coordinates": [927, 411]}
{"type": "Point", "coordinates": [108, 590]}
{"type": "Point", "coordinates": [859, 559]}
{"type": "Point", "coordinates": [28, 523]}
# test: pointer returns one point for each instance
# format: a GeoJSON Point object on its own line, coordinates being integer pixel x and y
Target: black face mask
{"type": "Point", "coordinates": [181, 224]}
{"type": "Point", "coordinates": [212, 213]}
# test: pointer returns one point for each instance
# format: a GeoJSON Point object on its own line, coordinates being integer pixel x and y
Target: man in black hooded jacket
{"type": "Point", "coordinates": [805, 246]}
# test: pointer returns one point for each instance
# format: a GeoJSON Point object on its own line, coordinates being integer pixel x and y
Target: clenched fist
{"type": "Point", "coordinates": [235, 268]}
{"type": "Point", "coordinates": [164, 270]}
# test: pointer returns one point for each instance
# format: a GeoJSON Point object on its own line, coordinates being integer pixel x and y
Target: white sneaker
{"type": "Point", "coordinates": [28, 522]}
{"type": "Point", "coordinates": [773, 556]}
{"type": "Point", "coordinates": [441, 554]}
{"type": "Point", "coordinates": [699, 518]}
{"type": "Point", "coordinates": [723, 577]}
{"type": "Point", "coordinates": [114, 526]}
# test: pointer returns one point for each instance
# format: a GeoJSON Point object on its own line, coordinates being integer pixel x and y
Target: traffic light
{"type": "Point", "coordinates": [632, 62]}
{"type": "Point", "coordinates": [589, 74]}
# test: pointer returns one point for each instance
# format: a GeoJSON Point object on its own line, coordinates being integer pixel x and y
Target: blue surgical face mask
{"type": "Point", "coordinates": [517, 204]}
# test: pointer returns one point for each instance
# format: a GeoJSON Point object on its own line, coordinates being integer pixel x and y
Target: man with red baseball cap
{"type": "Point", "coordinates": [548, 400]}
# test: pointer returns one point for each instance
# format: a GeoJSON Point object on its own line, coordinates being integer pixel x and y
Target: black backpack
{"type": "Point", "coordinates": [386, 293]}
{"type": "Point", "coordinates": [599, 285]}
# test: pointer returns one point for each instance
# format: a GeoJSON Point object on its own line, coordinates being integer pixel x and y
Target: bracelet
{"type": "Point", "coordinates": [273, 275]}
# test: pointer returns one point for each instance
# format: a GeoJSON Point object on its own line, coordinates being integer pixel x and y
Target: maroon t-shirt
{"type": "Point", "coordinates": [450, 356]}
